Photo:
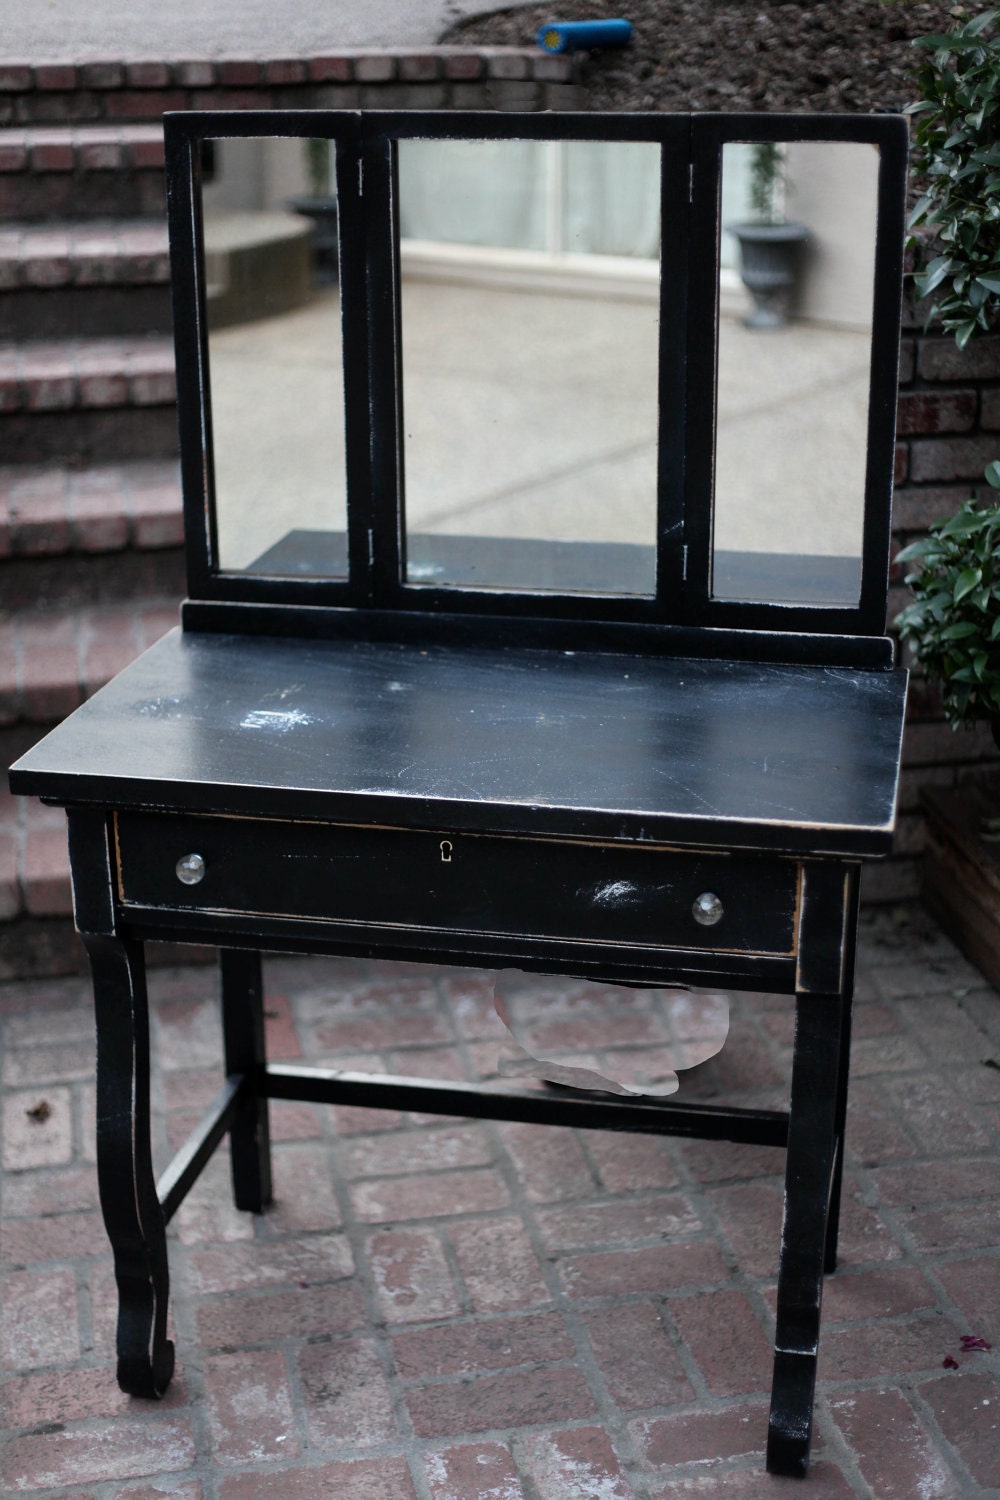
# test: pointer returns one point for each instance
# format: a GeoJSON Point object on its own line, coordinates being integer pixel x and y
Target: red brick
{"type": "Point", "coordinates": [411, 1276]}
{"type": "Point", "coordinates": [10, 890]}
{"type": "Point", "coordinates": [901, 463]}
{"type": "Point", "coordinates": [659, 1268]}
{"type": "Point", "coordinates": [15, 77]}
{"type": "Point", "coordinates": [188, 1491]}
{"type": "Point", "coordinates": [38, 1319]}
{"type": "Point", "coordinates": [826, 1482]}
{"type": "Point", "coordinates": [366, 1479]}
{"type": "Point", "coordinates": [726, 1340]}
{"type": "Point", "coordinates": [122, 1448]}
{"type": "Point", "coordinates": [102, 75]}
{"type": "Point", "coordinates": [398, 1151]}
{"type": "Point", "coordinates": [550, 1165]}
{"type": "Point", "coordinates": [703, 1437]}
{"type": "Point", "coordinates": [462, 65]}
{"type": "Point", "coordinates": [237, 73]}
{"type": "Point", "coordinates": [48, 376]}
{"type": "Point", "coordinates": [154, 508]}
{"type": "Point", "coordinates": [487, 1344]}
{"type": "Point", "coordinates": [195, 74]}
{"type": "Point", "coordinates": [55, 76]}
{"type": "Point", "coordinates": [147, 104]}
{"type": "Point", "coordinates": [51, 1192]}
{"type": "Point", "coordinates": [304, 1195]}
{"type": "Point", "coordinates": [50, 151]}
{"type": "Point", "coordinates": [147, 75]}
{"type": "Point", "coordinates": [896, 1456]}
{"type": "Point", "coordinates": [60, 1237]}
{"type": "Point", "coordinates": [348, 1403]}
{"type": "Point", "coordinates": [29, 1142]}
{"type": "Point", "coordinates": [250, 1408]}
{"type": "Point", "coordinates": [38, 519]}
{"type": "Point", "coordinates": [331, 69]}
{"type": "Point", "coordinates": [885, 1293]}
{"type": "Point", "coordinates": [429, 1195]}
{"type": "Point", "coordinates": [283, 70]}
{"type": "Point", "coordinates": [498, 1401]}
{"type": "Point", "coordinates": [501, 64]}
{"type": "Point", "coordinates": [580, 1462]}
{"type": "Point", "coordinates": [251, 1318]}
{"type": "Point", "coordinates": [419, 67]}
{"type": "Point", "coordinates": [60, 1396]}
{"type": "Point", "coordinates": [97, 518]}
{"type": "Point", "coordinates": [974, 1287]}
{"type": "Point", "coordinates": [374, 67]}
{"type": "Point", "coordinates": [360, 1033]}
{"type": "Point", "coordinates": [901, 1348]}
{"type": "Point", "coordinates": [637, 1359]}
{"type": "Point", "coordinates": [498, 1264]}
{"type": "Point", "coordinates": [46, 874]}
{"type": "Point", "coordinates": [941, 359]}
{"type": "Point", "coordinates": [967, 1408]}
{"type": "Point", "coordinates": [950, 458]}
{"type": "Point", "coordinates": [483, 1470]}
{"type": "Point", "coordinates": [658, 1217]}
{"type": "Point", "coordinates": [626, 1163]}
{"type": "Point", "coordinates": [935, 411]}
{"type": "Point", "coordinates": [313, 1259]}
{"type": "Point", "coordinates": [945, 1181]}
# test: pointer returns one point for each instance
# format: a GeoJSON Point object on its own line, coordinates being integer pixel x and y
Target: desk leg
{"type": "Point", "coordinates": [809, 1176]}
{"type": "Point", "coordinates": [243, 1038]}
{"type": "Point", "coordinates": [132, 1213]}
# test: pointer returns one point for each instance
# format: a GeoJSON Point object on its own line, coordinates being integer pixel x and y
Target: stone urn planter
{"type": "Point", "coordinates": [769, 261]}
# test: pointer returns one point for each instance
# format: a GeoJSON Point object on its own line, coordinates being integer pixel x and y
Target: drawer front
{"type": "Point", "coordinates": [626, 894]}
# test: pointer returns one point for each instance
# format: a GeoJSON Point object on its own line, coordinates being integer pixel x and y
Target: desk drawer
{"type": "Point", "coordinates": [625, 894]}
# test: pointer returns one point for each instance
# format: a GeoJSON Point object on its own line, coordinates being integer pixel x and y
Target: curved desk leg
{"type": "Point", "coordinates": [809, 1177]}
{"type": "Point", "coordinates": [132, 1213]}
{"type": "Point", "coordinates": [243, 1038]}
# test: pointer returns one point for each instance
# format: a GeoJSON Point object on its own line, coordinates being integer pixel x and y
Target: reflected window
{"type": "Point", "coordinates": [529, 306]}
{"type": "Point", "coordinates": [793, 371]}
{"type": "Point", "coordinates": [276, 373]}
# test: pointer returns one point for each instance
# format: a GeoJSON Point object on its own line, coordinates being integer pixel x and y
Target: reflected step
{"type": "Point", "coordinates": [81, 171]}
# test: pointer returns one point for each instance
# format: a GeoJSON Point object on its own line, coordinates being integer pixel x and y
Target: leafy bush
{"type": "Point", "coordinates": [957, 150]}
{"type": "Point", "coordinates": [953, 624]}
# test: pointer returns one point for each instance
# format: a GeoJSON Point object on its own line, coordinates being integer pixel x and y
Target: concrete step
{"type": "Point", "coordinates": [81, 171]}
{"type": "Point", "coordinates": [72, 537]}
{"type": "Point", "coordinates": [86, 278]}
{"type": "Point", "coordinates": [89, 401]}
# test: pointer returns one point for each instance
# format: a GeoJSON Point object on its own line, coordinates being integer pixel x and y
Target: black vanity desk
{"type": "Point", "coordinates": [672, 788]}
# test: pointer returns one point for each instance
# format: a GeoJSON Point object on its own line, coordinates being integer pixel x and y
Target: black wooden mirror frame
{"type": "Point", "coordinates": [683, 605]}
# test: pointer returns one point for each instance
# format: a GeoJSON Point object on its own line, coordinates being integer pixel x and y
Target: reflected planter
{"type": "Point", "coordinates": [769, 262]}
{"type": "Point", "coordinates": [322, 211]}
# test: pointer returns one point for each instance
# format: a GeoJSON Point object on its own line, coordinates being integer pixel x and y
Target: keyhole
{"type": "Point", "coordinates": [446, 851]}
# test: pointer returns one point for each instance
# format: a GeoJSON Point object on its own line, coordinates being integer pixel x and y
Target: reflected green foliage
{"type": "Point", "coordinates": [957, 150]}
{"type": "Point", "coordinates": [953, 624]}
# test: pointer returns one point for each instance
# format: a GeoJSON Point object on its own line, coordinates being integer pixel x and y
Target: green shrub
{"type": "Point", "coordinates": [957, 151]}
{"type": "Point", "coordinates": [953, 624]}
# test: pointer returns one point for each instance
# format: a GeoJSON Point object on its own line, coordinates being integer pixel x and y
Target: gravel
{"type": "Point", "coordinates": [741, 54]}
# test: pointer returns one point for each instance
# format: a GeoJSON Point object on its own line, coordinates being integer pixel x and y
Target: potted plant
{"type": "Point", "coordinates": [770, 246]}
{"type": "Point", "coordinates": [953, 624]}
{"type": "Point", "coordinates": [320, 206]}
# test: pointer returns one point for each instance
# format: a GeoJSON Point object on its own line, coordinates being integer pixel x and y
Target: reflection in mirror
{"type": "Point", "coordinates": [277, 389]}
{"type": "Point", "coordinates": [792, 415]}
{"type": "Point", "coordinates": [529, 333]}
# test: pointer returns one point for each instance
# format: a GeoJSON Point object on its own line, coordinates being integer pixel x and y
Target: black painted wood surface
{"type": "Point", "coordinates": [717, 753]}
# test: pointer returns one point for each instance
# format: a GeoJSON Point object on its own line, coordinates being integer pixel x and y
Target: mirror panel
{"type": "Point", "coordinates": [275, 365]}
{"type": "Point", "coordinates": [797, 260]}
{"type": "Point", "coordinates": [530, 361]}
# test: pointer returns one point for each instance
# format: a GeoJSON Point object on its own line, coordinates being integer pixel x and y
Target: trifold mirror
{"type": "Point", "coordinates": [629, 366]}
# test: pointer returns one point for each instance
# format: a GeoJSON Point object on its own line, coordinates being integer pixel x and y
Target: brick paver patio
{"type": "Point", "coordinates": [450, 1310]}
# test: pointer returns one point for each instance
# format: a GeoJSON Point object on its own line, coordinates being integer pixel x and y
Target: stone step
{"type": "Point", "coordinates": [84, 278]}
{"type": "Point", "coordinates": [83, 536]}
{"type": "Point", "coordinates": [81, 171]}
{"type": "Point", "coordinates": [88, 401]}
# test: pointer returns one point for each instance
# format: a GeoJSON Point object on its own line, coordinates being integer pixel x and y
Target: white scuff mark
{"type": "Point", "coordinates": [280, 720]}
{"type": "Point", "coordinates": [616, 893]}
{"type": "Point", "coordinates": [397, 687]}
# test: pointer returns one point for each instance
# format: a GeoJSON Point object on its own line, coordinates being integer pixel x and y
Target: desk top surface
{"type": "Point", "coordinates": [608, 746]}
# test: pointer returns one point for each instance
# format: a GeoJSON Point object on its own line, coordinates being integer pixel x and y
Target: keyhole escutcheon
{"type": "Point", "coordinates": [446, 847]}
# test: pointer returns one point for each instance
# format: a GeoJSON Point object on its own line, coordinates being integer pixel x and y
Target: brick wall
{"type": "Point", "coordinates": [948, 430]}
{"type": "Point", "coordinates": [439, 78]}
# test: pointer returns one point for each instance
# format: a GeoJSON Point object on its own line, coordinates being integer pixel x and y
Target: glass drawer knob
{"type": "Point", "coordinates": [190, 869]}
{"type": "Point", "coordinates": [707, 909]}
